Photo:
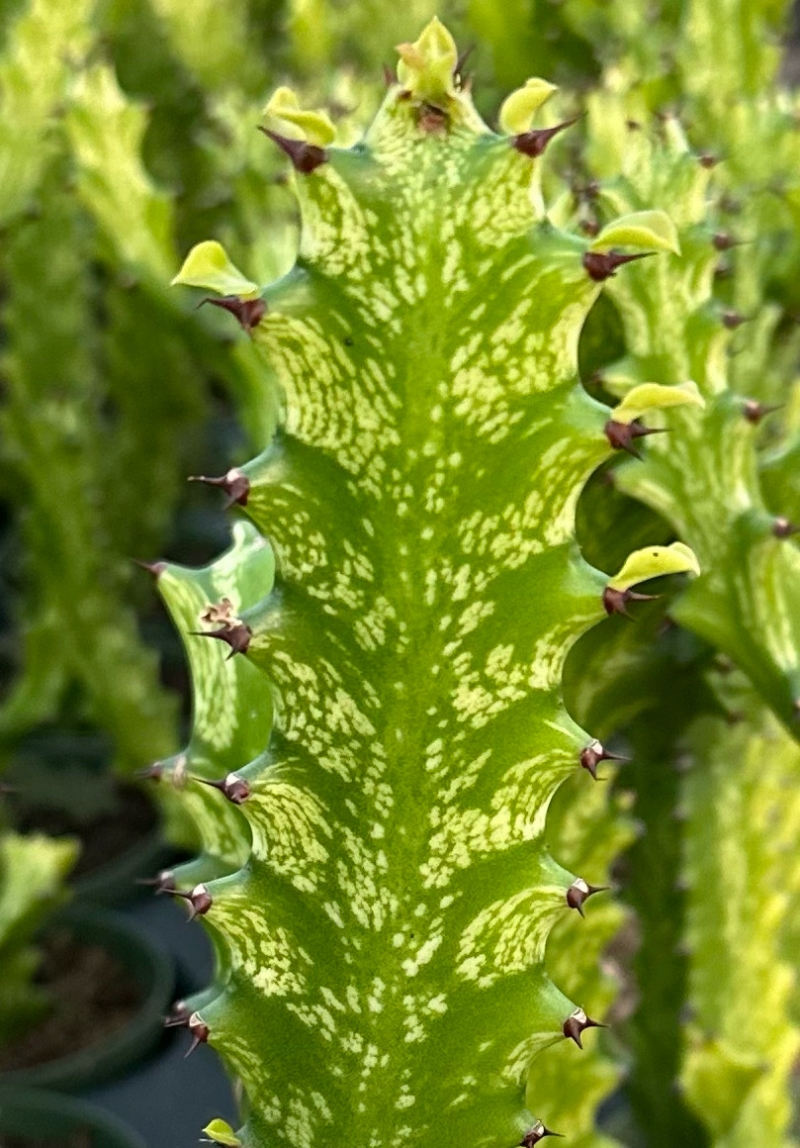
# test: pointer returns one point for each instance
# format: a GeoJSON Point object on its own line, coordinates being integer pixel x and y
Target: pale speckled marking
{"type": "Point", "coordinates": [315, 372]}
{"type": "Point", "coordinates": [222, 836]}
{"type": "Point", "coordinates": [332, 212]}
{"type": "Point", "coordinates": [507, 936]}
{"type": "Point", "coordinates": [292, 830]}
{"type": "Point", "coordinates": [268, 955]}
{"type": "Point", "coordinates": [518, 1061]}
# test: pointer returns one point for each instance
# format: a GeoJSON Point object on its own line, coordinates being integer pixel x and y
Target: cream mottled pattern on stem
{"type": "Point", "coordinates": [385, 980]}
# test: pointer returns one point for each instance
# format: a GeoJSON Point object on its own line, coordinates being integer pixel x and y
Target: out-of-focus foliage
{"type": "Point", "coordinates": [742, 806]}
{"type": "Point", "coordinates": [107, 403]}
{"type": "Point", "coordinates": [32, 874]}
{"type": "Point", "coordinates": [128, 131]}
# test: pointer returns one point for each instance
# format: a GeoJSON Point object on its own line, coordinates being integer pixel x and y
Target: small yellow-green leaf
{"type": "Point", "coordinates": [316, 127]}
{"type": "Point", "coordinates": [518, 109]}
{"type": "Point", "coordinates": [427, 67]}
{"type": "Point", "coordinates": [652, 396]}
{"type": "Point", "coordinates": [652, 562]}
{"type": "Point", "coordinates": [207, 265]}
{"type": "Point", "coordinates": [651, 230]}
{"type": "Point", "coordinates": [221, 1133]}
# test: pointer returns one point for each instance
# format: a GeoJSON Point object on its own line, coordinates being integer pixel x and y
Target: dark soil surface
{"type": "Point", "coordinates": [104, 837]}
{"type": "Point", "coordinates": [92, 997]}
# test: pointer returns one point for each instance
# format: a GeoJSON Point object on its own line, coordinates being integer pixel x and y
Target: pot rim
{"type": "Point", "coordinates": [40, 1103]}
{"type": "Point", "coordinates": [150, 966]}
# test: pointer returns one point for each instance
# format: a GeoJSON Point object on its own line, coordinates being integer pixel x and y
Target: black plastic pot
{"type": "Point", "coordinates": [119, 880]}
{"type": "Point", "coordinates": [56, 771]}
{"type": "Point", "coordinates": [153, 971]}
{"type": "Point", "coordinates": [38, 1115]}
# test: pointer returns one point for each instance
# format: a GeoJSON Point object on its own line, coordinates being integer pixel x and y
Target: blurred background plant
{"type": "Point", "coordinates": [129, 132]}
{"type": "Point", "coordinates": [32, 873]}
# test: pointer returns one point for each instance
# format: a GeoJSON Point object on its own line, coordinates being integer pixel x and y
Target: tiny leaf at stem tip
{"type": "Point", "coordinates": [650, 230]}
{"type": "Point", "coordinates": [207, 265]}
{"type": "Point", "coordinates": [652, 396]}
{"type": "Point", "coordinates": [518, 110]}
{"type": "Point", "coordinates": [316, 127]}
{"type": "Point", "coordinates": [427, 68]}
{"type": "Point", "coordinates": [220, 1132]}
{"type": "Point", "coordinates": [653, 562]}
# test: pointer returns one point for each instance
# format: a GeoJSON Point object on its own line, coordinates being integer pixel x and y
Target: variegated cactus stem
{"type": "Point", "coordinates": [384, 944]}
{"type": "Point", "coordinates": [703, 476]}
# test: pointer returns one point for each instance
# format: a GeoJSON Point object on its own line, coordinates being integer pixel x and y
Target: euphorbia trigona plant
{"type": "Point", "coordinates": [381, 928]}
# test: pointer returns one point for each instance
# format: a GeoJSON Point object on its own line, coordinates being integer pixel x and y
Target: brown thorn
{"type": "Point", "coordinates": [580, 891]}
{"type": "Point", "coordinates": [622, 435]}
{"type": "Point", "coordinates": [755, 411]}
{"type": "Point", "coordinates": [458, 70]}
{"type": "Point", "coordinates": [235, 788]}
{"type": "Point", "coordinates": [163, 882]}
{"type": "Point", "coordinates": [722, 241]}
{"type": "Point", "coordinates": [179, 1016]}
{"type": "Point", "coordinates": [783, 528]}
{"type": "Point", "coordinates": [305, 157]}
{"type": "Point", "coordinates": [199, 900]}
{"type": "Point", "coordinates": [595, 752]}
{"type": "Point", "coordinates": [154, 568]}
{"type": "Point", "coordinates": [601, 265]}
{"type": "Point", "coordinates": [535, 1134]}
{"type": "Point", "coordinates": [234, 483]}
{"type": "Point", "coordinates": [153, 772]}
{"type": "Point", "coordinates": [732, 319]}
{"type": "Point", "coordinates": [199, 1030]}
{"type": "Point", "coordinates": [249, 312]}
{"type": "Point", "coordinates": [237, 637]}
{"type": "Point", "coordinates": [576, 1024]}
{"type": "Point", "coordinates": [389, 76]}
{"type": "Point", "coordinates": [533, 143]}
{"type": "Point", "coordinates": [615, 601]}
